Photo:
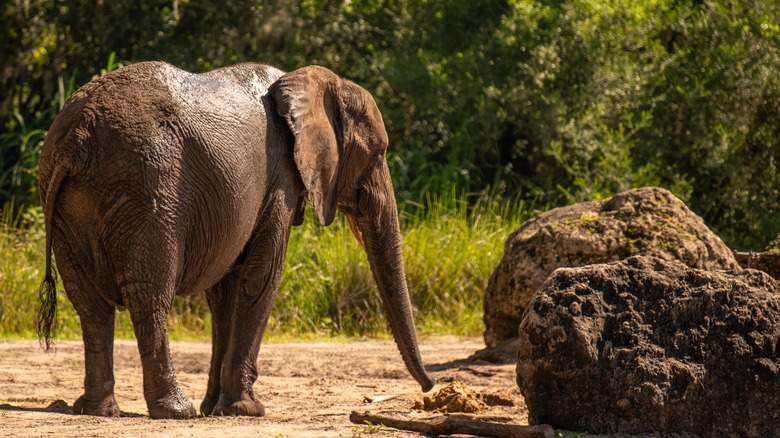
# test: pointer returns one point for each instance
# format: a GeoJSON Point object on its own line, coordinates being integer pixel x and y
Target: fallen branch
{"type": "Point", "coordinates": [378, 398]}
{"type": "Point", "coordinates": [747, 259]}
{"type": "Point", "coordinates": [445, 425]}
{"type": "Point", "coordinates": [483, 418]}
{"type": "Point", "coordinates": [768, 262]}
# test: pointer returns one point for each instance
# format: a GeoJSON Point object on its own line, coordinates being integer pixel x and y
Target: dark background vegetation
{"type": "Point", "coordinates": [550, 102]}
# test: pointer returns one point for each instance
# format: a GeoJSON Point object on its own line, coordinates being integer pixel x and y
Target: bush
{"type": "Point", "coordinates": [550, 101]}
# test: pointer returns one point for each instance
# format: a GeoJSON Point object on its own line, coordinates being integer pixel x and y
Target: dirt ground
{"type": "Point", "coordinates": [309, 389]}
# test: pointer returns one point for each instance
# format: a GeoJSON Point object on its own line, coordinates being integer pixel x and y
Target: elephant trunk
{"type": "Point", "coordinates": [382, 240]}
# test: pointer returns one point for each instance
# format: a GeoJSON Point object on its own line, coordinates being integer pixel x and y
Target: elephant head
{"type": "Point", "coordinates": [340, 145]}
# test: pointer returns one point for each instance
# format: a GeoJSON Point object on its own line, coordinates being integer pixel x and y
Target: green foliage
{"type": "Point", "coordinates": [19, 152]}
{"type": "Point", "coordinates": [581, 100]}
{"type": "Point", "coordinates": [450, 250]}
{"type": "Point", "coordinates": [716, 111]}
{"type": "Point", "coordinates": [551, 101]}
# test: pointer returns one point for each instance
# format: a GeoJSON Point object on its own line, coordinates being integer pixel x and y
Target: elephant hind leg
{"type": "Point", "coordinates": [149, 304]}
{"type": "Point", "coordinates": [97, 325]}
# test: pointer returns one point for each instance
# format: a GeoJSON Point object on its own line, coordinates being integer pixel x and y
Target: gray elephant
{"type": "Point", "coordinates": [156, 182]}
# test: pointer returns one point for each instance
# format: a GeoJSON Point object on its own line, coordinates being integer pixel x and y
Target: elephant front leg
{"type": "Point", "coordinates": [255, 291]}
{"type": "Point", "coordinates": [221, 302]}
{"type": "Point", "coordinates": [239, 367]}
{"type": "Point", "coordinates": [98, 332]}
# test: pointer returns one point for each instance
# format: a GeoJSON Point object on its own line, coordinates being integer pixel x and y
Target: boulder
{"type": "Point", "coordinates": [645, 344]}
{"type": "Point", "coordinates": [649, 221]}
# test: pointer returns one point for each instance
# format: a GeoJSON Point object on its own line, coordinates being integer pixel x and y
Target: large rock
{"type": "Point", "coordinates": [645, 344]}
{"type": "Point", "coordinates": [649, 221]}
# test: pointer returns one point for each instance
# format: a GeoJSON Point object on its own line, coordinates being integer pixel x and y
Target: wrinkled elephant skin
{"type": "Point", "coordinates": [157, 182]}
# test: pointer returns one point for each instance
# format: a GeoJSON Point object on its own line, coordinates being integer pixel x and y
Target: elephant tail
{"type": "Point", "coordinates": [47, 310]}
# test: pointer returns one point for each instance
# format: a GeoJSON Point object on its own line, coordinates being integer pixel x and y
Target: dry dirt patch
{"type": "Point", "coordinates": [308, 389]}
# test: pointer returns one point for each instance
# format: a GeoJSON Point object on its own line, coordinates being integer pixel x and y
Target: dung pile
{"type": "Point", "coordinates": [457, 397]}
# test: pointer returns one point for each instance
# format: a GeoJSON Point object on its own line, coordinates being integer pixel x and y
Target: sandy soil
{"type": "Point", "coordinates": [308, 389]}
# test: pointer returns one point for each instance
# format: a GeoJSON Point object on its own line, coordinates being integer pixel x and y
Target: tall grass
{"type": "Point", "coordinates": [450, 250]}
{"type": "Point", "coordinates": [20, 270]}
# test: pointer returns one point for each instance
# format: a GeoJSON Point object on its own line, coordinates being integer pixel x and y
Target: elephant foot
{"type": "Point", "coordinates": [174, 406]}
{"type": "Point", "coordinates": [246, 405]}
{"type": "Point", "coordinates": [105, 407]}
{"type": "Point", "coordinates": [208, 404]}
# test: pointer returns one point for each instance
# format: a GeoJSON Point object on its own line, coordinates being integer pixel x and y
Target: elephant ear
{"type": "Point", "coordinates": [306, 98]}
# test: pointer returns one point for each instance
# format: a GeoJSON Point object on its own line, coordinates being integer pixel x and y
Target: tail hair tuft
{"type": "Point", "coordinates": [47, 310]}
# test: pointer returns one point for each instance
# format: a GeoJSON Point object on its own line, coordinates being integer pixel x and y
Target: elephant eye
{"type": "Point", "coordinates": [351, 204]}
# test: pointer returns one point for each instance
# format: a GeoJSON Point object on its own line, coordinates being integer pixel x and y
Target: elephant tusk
{"type": "Point", "coordinates": [355, 230]}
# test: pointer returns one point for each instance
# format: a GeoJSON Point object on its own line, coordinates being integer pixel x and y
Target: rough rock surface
{"type": "Point", "coordinates": [645, 344]}
{"type": "Point", "coordinates": [649, 221]}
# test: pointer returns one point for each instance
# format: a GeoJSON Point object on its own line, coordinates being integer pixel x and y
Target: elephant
{"type": "Point", "coordinates": [156, 182]}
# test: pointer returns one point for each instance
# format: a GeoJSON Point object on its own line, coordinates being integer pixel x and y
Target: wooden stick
{"type": "Point", "coordinates": [478, 417]}
{"type": "Point", "coordinates": [453, 425]}
{"type": "Point", "coordinates": [746, 259]}
{"type": "Point", "coordinates": [378, 398]}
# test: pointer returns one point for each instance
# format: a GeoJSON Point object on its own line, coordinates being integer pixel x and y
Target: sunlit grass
{"type": "Point", "coordinates": [450, 250]}
{"type": "Point", "coordinates": [20, 270]}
